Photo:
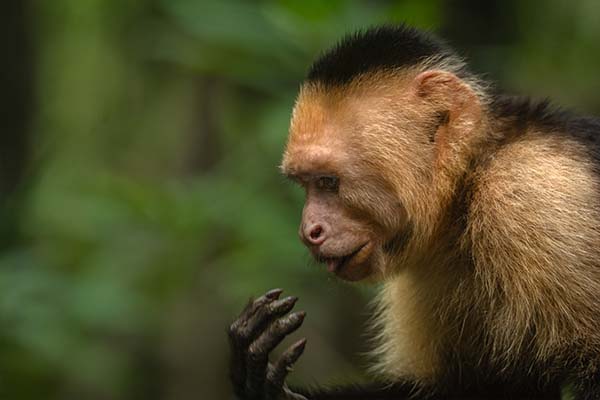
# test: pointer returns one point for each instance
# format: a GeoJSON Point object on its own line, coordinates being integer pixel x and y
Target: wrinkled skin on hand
{"type": "Point", "coordinates": [262, 325]}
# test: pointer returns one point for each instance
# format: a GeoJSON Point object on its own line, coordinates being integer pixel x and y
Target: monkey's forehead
{"type": "Point", "coordinates": [319, 118]}
{"type": "Point", "coordinates": [323, 112]}
{"type": "Point", "coordinates": [375, 82]}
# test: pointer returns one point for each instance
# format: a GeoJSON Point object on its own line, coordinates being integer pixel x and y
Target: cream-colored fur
{"type": "Point", "coordinates": [534, 234]}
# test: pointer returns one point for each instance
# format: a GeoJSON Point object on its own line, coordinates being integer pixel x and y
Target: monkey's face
{"type": "Point", "coordinates": [343, 241]}
{"type": "Point", "coordinates": [352, 215]}
{"type": "Point", "coordinates": [337, 235]}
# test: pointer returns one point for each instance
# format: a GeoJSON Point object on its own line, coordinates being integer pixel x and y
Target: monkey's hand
{"type": "Point", "coordinates": [259, 329]}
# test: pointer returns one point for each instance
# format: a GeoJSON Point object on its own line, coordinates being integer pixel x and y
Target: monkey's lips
{"type": "Point", "coordinates": [352, 266]}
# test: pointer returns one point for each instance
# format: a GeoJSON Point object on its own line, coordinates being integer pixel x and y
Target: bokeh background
{"type": "Point", "coordinates": [140, 201]}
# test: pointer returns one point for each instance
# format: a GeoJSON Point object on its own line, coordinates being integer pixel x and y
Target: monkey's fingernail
{"type": "Point", "coordinates": [273, 293]}
{"type": "Point", "coordinates": [296, 350]}
{"type": "Point", "coordinates": [283, 305]}
{"type": "Point", "coordinates": [299, 315]}
{"type": "Point", "coordinates": [299, 345]}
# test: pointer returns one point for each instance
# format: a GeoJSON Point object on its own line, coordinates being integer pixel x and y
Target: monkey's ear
{"type": "Point", "coordinates": [451, 97]}
{"type": "Point", "coordinates": [445, 89]}
{"type": "Point", "coordinates": [446, 95]}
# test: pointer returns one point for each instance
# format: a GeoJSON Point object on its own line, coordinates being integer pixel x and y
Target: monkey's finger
{"type": "Point", "coordinates": [248, 330]}
{"type": "Point", "coordinates": [258, 352]}
{"type": "Point", "coordinates": [269, 339]}
{"type": "Point", "coordinates": [279, 371]}
{"type": "Point", "coordinates": [255, 305]}
{"type": "Point", "coordinates": [266, 315]}
{"type": "Point", "coordinates": [239, 334]}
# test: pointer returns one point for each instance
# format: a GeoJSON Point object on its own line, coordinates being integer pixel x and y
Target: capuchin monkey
{"type": "Point", "coordinates": [478, 214]}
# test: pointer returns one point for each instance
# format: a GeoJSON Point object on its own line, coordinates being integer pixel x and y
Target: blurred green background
{"type": "Point", "coordinates": [140, 200]}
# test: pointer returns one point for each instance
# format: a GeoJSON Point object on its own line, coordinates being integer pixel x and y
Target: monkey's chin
{"type": "Point", "coordinates": [354, 267]}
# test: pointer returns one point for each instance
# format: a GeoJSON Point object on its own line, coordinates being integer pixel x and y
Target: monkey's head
{"type": "Point", "coordinates": [373, 142]}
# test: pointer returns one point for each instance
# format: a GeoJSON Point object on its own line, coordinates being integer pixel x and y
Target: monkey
{"type": "Point", "coordinates": [476, 212]}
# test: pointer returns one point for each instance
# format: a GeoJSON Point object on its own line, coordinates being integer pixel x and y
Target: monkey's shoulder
{"type": "Point", "coordinates": [542, 188]}
{"type": "Point", "coordinates": [539, 169]}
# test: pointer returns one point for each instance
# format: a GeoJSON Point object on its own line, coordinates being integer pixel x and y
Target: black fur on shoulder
{"type": "Point", "coordinates": [386, 47]}
{"type": "Point", "coordinates": [525, 113]}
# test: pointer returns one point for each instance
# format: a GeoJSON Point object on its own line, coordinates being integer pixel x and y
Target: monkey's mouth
{"type": "Point", "coordinates": [337, 264]}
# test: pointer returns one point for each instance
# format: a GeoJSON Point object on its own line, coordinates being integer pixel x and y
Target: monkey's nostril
{"type": "Point", "coordinates": [316, 232]}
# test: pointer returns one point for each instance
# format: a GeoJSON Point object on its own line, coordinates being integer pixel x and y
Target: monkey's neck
{"type": "Point", "coordinates": [446, 210]}
{"type": "Point", "coordinates": [457, 165]}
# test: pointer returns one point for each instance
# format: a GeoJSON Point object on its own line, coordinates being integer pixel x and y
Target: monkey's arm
{"type": "Point", "coordinates": [260, 328]}
{"type": "Point", "coordinates": [265, 322]}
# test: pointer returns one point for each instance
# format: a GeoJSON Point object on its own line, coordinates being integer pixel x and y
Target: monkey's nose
{"type": "Point", "coordinates": [314, 234]}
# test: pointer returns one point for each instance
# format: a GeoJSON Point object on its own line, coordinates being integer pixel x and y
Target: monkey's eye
{"type": "Point", "coordinates": [328, 183]}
